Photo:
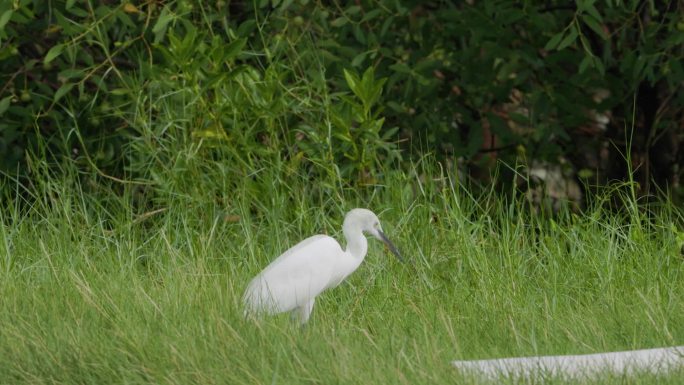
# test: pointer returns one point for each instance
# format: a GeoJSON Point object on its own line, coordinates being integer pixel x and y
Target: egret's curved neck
{"type": "Point", "coordinates": [357, 245]}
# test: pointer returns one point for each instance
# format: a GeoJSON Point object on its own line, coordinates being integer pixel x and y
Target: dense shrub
{"type": "Point", "coordinates": [550, 80]}
{"type": "Point", "coordinates": [128, 89]}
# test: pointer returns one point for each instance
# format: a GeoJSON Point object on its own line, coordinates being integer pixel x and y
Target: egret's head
{"type": "Point", "coordinates": [368, 222]}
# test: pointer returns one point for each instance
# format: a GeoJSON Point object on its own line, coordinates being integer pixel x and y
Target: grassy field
{"type": "Point", "coordinates": [97, 291]}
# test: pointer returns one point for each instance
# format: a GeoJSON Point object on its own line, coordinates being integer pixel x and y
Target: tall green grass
{"type": "Point", "coordinates": [99, 289]}
{"type": "Point", "coordinates": [233, 157]}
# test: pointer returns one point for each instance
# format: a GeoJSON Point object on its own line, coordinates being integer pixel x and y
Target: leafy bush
{"type": "Point", "coordinates": [496, 79]}
{"type": "Point", "coordinates": [125, 90]}
{"type": "Point", "coordinates": [158, 95]}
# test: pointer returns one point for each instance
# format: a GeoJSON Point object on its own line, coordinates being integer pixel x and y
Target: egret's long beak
{"type": "Point", "coordinates": [391, 246]}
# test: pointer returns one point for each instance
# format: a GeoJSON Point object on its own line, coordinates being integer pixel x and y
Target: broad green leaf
{"type": "Point", "coordinates": [234, 48]}
{"type": "Point", "coordinates": [368, 78]}
{"type": "Point", "coordinates": [212, 81]}
{"type": "Point", "coordinates": [340, 21]}
{"type": "Point", "coordinates": [553, 42]}
{"type": "Point", "coordinates": [359, 34]}
{"type": "Point", "coordinates": [376, 92]}
{"type": "Point", "coordinates": [217, 49]}
{"type": "Point", "coordinates": [591, 10]}
{"type": "Point", "coordinates": [53, 53]}
{"type": "Point", "coordinates": [358, 59]}
{"type": "Point", "coordinates": [353, 10]}
{"type": "Point", "coordinates": [126, 20]}
{"type": "Point", "coordinates": [62, 91]}
{"type": "Point", "coordinates": [599, 65]}
{"type": "Point", "coordinates": [569, 39]}
{"type": "Point", "coordinates": [396, 107]}
{"type": "Point", "coordinates": [594, 25]}
{"type": "Point", "coordinates": [175, 44]}
{"type": "Point", "coordinates": [584, 64]}
{"type": "Point", "coordinates": [5, 18]}
{"type": "Point", "coordinates": [159, 28]}
{"type": "Point", "coordinates": [188, 43]}
{"type": "Point", "coordinates": [77, 11]}
{"type": "Point", "coordinates": [401, 68]}
{"type": "Point", "coordinates": [372, 14]}
{"type": "Point", "coordinates": [246, 27]}
{"type": "Point", "coordinates": [4, 104]}
{"type": "Point", "coordinates": [386, 25]}
{"type": "Point", "coordinates": [285, 5]}
{"type": "Point", "coordinates": [71, 73]}
{"type": "Point", "coordinates": [352, 81]}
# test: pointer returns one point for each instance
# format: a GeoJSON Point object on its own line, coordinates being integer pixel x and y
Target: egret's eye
{"type": "Point", "coordinates": [376, 225]}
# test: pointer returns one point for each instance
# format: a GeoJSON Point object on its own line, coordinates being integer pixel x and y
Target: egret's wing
{"type": "Point", "coordinates": [298, 275]}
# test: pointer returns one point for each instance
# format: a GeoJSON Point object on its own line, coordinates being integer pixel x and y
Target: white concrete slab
{"type": "Point", "coordinates": [660, 360]}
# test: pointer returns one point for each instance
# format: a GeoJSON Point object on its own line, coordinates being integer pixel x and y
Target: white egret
{"type": "Point", "coordinates": [293, 280]}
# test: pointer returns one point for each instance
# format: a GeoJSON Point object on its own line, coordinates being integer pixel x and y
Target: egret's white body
{"type": "Point", "coordinates": [293, 280]}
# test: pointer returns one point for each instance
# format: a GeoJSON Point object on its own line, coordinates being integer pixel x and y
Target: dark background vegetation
{"type": "Point", "coordinates": [573, 94]}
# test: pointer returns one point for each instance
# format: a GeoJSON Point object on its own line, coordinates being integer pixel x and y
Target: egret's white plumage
{"type": "Point", "coordinates": [293, 280]}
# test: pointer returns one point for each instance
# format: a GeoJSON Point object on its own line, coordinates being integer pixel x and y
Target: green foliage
{"type": "Point", "coordinates": [145, 92]}
{"type": "Point", "coordinates": [359, 130]}
{"type": "Point", "coordinates": [126, 89]}
{"type": "Point", "coordinates": [160, 153]}
{"type": "Point", "coordinates": [555, 79]}
{"type": "Point", "coordinates": [65, 68]}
